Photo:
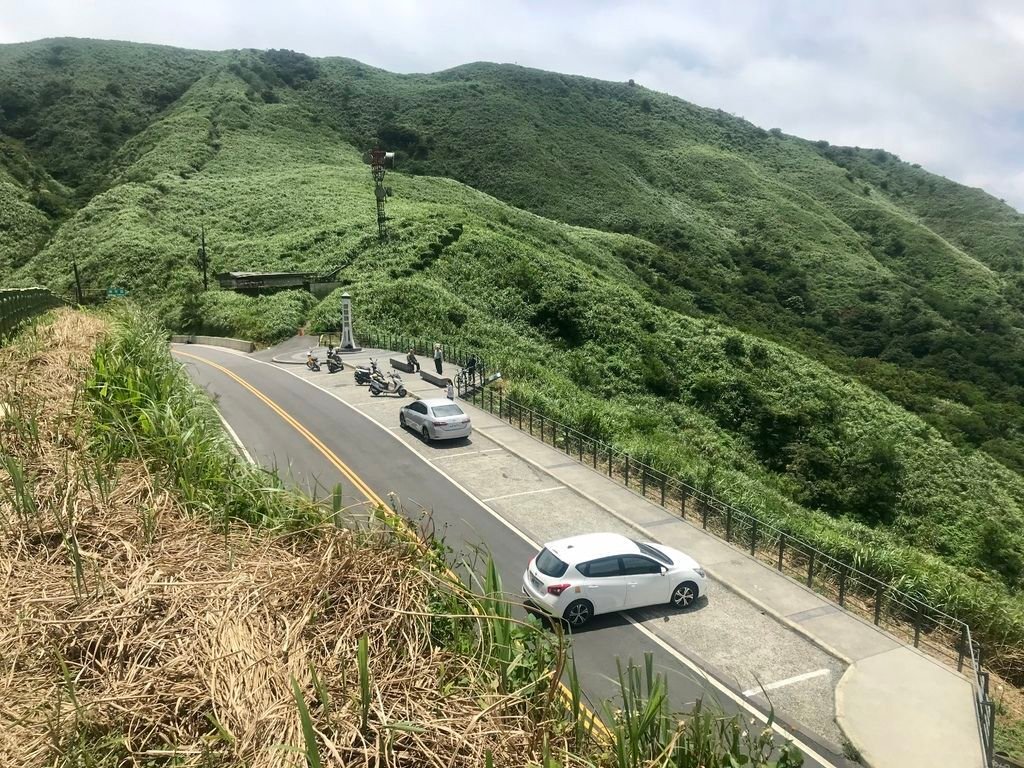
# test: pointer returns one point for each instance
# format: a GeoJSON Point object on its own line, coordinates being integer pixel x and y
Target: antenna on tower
{"type": "Point", "coordinates": [379, 161]}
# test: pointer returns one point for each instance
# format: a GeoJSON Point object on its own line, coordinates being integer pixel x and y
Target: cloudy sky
{"type": "Point", "coordinates": [938, 82]}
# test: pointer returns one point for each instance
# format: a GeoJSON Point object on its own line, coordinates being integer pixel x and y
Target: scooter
{"type": "Point", "coordinates": [364, 374]}
{"type": "Point", "coordinates": [334, 361]}
{"type": "Point", "coordinates": [391, 385]}
{"type": "Point", "coordinates": [311, 362]}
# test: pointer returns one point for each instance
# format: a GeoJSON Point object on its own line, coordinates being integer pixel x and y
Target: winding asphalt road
{"type": "Point", "coordinates": [387, 466]}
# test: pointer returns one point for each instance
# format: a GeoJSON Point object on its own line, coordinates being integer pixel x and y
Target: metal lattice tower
{"type": "Point", "coordinates": [378, 159]}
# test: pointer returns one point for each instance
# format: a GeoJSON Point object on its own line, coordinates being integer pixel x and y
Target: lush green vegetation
{"type": "Point", "coordinates": [803, 330]}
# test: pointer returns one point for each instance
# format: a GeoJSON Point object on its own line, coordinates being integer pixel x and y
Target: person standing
{"type": "Point", "coordinates": [438, 357]}
{"type": "Point", "coordinates": [450, 390]}
{"type": "Point", "coordinates": [471, 369]}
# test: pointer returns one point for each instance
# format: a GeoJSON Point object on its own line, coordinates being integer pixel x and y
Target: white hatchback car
{"type": "Point", "coordinates": [582, 576]}
{"type": "Point", "coordinates": [436, 419]}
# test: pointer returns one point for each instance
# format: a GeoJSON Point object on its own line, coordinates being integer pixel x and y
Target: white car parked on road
{"type": "Point", "coordinates": [582, 576]}
{"type": "Point", "coordinates": [436, 419]}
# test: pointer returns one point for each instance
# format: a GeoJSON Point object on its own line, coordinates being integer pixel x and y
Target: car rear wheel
{"type": "Point", "coordinates": [578, 613]}
{"type": "Point", "coordinates": [684, 595]}
{"type": "Point", "coordinates": [426, 435]}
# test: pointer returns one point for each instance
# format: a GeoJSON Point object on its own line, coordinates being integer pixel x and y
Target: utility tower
{"type": "Point", "coordinates": [379, 160]}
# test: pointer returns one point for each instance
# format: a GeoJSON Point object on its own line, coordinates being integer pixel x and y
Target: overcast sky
{"type": "Point", "coordinates": [938, 82]}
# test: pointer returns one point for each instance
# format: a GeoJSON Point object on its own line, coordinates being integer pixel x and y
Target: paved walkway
{"type": "Point", "coordinates": [897, 706]}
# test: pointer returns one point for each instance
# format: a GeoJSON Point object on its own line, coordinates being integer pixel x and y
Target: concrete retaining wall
{"type": "Point", "coordinates": [215, 341]}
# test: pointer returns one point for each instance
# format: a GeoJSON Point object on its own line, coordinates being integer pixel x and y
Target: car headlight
{"type": "Point", "coordinates": [700, 572]}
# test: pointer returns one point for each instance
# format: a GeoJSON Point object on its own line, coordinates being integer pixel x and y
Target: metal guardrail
{"type": "Point", "coordinates": [907, 617]}
{"type": "Point", "coordinates": [20, 304]}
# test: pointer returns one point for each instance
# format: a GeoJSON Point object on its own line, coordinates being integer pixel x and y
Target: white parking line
{"type": "Point", "coordinates": [787, 681]}
{"type": "Point", "coordinates": [468, 453]}
{"type": "Point", "coordinates": [524, 493]}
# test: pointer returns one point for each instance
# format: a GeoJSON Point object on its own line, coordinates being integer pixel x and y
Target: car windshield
{"type": "Point", "coordinates": [658, 555]}
{"type": "Point", "coordinates": [447, 410]}
{"type": "Point", "coordinates": [550, 565]}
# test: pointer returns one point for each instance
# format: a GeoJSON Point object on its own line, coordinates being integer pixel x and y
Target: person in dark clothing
{"type": "Point", "coordinates": [471, 369]}
{"type": "Point", "coordinates": [438, 357]}
{"type": "Point", "coordinates": [411, 360]}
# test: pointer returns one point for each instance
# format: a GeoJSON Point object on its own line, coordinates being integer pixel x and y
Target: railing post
{"type": "Point", "coordinates": [490, 406]}
{"type": "Point", "coordinates": [501, 400]}
{"type": "Point", "coordinates": [878, 602]}
{"type": "Point", "coordinates": [663, 479]}
{"type": "Point", "coordinates": [990, 731]}
{"type": "Point", "coordinates": [703, 514]}
{"type": "Point", "coordinates": [917, 623]}
{"type": "Point", "coordinates": [595, 454]}
{"type": "Point", "coordinates": [753, 536]}
{"type": "Point", "coordinates": [810, 568]}
{"type": "Point", "coordinates": [531, 422]}
{"type": "Point", "coordinates": [627, 470]}
{"type": "Point", "coordinates": [581, 449]}
{"type": "Point", "coordinates": [565, 434]}
{"type": "Point", "coordinates": [782, 547]}
{"type": "Point", "coordinates": [643, 481]}
{"type": "Point", "coordinates": [520, 418]}
{"type": "Point", "coordinates": [541, 426]}
{"type": "Point", "coordinates": [963, 644]}
{"type": "Point", "coordinates": [682, 502]}
{"type": "Point", "coordinates": [842, 584]}
{"type": "Point", "coordinates": [728, 524]}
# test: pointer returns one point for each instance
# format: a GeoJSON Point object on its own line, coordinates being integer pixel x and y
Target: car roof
{"type": "Point", "coordinates": [433, 402]}
{"type": "Point", "coordinates": [588, 546]}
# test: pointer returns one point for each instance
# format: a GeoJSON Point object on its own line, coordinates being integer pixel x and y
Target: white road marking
{"type": "Point", "coordinates": [234, 437]}
{"type": "Point", "coordinates": [468, 453]}
{"type": "Point", "coordinates": [787, 681]}
{"type": "Point", "coordinates": [737, 698]}
{"type": "Point", "coordinates": [525, 493]}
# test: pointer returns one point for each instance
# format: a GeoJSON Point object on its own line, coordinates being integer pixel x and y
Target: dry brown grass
{"type": "Point", "coordinates": [173, 643]}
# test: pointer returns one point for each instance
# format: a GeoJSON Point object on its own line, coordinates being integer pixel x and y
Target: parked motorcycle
{"type": "Point", "coordinates": [334, 361]}
{"type": "Point", "coordinates": [390, 385]}
{"type": "Point", "coordinates": [364, 374]}
{"type": "Point", "coordinates": [311, 361]}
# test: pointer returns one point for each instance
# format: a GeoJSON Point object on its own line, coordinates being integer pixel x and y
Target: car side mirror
{"type": "Point", "coordinates": [664, 570]}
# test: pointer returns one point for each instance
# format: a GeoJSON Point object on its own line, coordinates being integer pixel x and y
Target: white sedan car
{"type": "Point", "coordinates": [581, 576]}
{"type": "Point", "coordinates": [436, 419]}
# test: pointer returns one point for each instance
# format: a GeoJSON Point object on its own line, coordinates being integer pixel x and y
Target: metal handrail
{"type": "Point", "coordinates": [818, 570]}
{"type": "Point", "coordinates": [17, 305]}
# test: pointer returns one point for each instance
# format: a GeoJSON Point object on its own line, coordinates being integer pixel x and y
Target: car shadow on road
{"type": "Point", "coordinates": [610, 620]}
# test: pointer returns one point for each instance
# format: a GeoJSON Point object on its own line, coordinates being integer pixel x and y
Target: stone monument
{"type": "Point", "coordinates": [348, 339]}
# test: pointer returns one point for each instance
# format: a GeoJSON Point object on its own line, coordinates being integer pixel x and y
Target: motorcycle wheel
{"type": "Point", "coordinates": [401, 392]}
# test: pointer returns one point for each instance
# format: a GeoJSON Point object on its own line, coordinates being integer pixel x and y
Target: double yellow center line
{"type": "Point", "coordinates": [328, 454]}
{"type": "Point", "coordinates": [368, 492]}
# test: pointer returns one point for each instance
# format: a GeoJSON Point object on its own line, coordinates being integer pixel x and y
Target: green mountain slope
{"type": "Point", "coordinates": [731, 356]}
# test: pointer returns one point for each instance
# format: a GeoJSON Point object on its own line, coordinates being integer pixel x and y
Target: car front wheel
{"type": "Point", "coordinates": [401, 419]}
{"type": "Point", "coordinates": [578, 613]}
{"type": "Point", "coordinates": [684, 595]}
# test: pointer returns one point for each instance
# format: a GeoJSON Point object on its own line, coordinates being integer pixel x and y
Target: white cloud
{"type": "Point", "coordinates": [935, 81]}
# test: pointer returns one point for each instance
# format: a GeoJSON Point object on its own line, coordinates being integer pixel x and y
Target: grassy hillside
{"type": "Point", "coordinates": [760, 324]}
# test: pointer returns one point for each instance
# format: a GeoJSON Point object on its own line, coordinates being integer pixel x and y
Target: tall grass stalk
{"type": "Point", "coordinates": [308, 732]}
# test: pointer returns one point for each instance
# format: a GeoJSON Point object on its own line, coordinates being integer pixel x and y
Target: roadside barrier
{"type": "Point", "coordinates": [17, 305]}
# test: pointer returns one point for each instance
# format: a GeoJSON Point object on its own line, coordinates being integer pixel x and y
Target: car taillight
{"type": "Point", "coordinates": [437, 423]}
{"type": "Point", "coordinates": [557, 589]}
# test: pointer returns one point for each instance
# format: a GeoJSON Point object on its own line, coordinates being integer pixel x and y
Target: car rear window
{"type": "Point", "coordinates": [657, 554]}
{"type": "Point", "coordinates": [447, 410]}
{"type": "Point", "coordinates": [550, 565]}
